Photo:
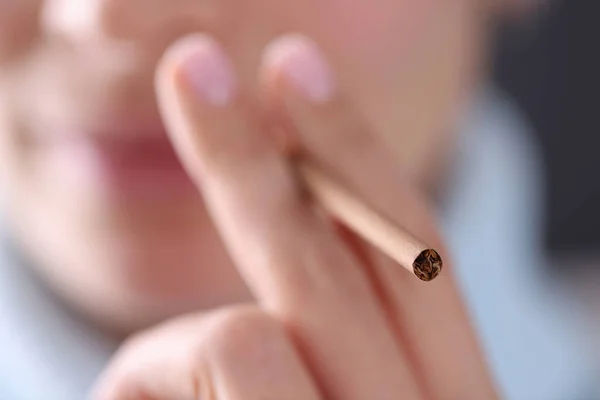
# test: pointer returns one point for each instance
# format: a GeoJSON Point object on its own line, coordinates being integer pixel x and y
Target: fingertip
{"type": "Point", "coordinates": [201, 65]}
{"type": "Point", "coordinates": [297, 60]}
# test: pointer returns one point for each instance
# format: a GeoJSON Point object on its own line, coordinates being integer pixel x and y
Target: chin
{"type": "Point", "coordinates": [122, 269]}
{"type": "Point", "coordinates": [138, 291]}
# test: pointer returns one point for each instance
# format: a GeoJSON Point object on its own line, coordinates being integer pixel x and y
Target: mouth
{"type": "Point", "coordinates": [143, 165]}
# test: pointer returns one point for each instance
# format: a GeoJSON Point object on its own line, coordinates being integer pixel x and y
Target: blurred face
{"type": "Point", "coordinates": [96, 195]}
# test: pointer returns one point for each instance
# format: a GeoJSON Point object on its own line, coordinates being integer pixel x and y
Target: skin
{"type": "Point", "coordinates": [333, 318]}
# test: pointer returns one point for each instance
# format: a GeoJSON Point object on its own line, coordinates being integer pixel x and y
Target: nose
{"type": "Point", "coordinates": [130, 20]}
{"type": "Point", "coordinates": [106, 52]}
{"type": "Point", "coordinates": [73, 18]}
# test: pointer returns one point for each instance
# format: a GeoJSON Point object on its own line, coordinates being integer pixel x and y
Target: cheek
{"type": "Point", "coordinates": [407, 64]}
{"type": "Point", "coordinates": [379, 47]}
{"type": "Point", "coordinates": [383, 48]}
{"type": "Point", "coordinates": [371, 32]}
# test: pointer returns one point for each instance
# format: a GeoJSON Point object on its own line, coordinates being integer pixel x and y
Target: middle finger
{"type": "Point", "coordinates": [429, 318]}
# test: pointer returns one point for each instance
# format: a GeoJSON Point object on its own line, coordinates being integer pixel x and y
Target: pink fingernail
{"type": "Point", "coordinates": [302, 62]}
{"type": "Point", "coordinates": [210, 72]}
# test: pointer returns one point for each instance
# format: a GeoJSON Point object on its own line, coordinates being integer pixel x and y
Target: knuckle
{"type": "Point", "coordinates": [121, 385]}
{"type": "Point", "coordinates": [120, 381]}
{"type": "Point", "coordinates": [242, 332]}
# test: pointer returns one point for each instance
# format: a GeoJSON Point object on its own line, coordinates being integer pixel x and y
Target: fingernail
{"type": "Point", "coordinates": [303, 64]}
{"type": "Point", "coordinates": [209, 71]}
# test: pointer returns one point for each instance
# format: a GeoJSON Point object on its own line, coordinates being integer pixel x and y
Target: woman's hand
{"type": "Point", "coordinates": [335, 319]}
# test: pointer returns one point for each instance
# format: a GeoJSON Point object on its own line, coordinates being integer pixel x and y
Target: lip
{"type": "Point", "coordinates": [134, 167]}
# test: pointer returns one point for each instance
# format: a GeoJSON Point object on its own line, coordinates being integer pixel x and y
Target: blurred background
{"type": "Point", "coordinates": [546, 67]}
{"type": "Point", "coordinates": [550, 70]}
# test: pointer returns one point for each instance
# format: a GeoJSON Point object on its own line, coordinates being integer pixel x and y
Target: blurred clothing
{"type": "Point", "coordinates": [46, 352]}
{"type": "Point", "coordinates": [491, 220]}
{"type": "Point", "coordinates": [493, 223]}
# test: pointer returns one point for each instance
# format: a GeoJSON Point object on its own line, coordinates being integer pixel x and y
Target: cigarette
{"type": "Point", "coordinates": [418, 258]}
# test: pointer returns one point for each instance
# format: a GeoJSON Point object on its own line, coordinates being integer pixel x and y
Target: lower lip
{"type": "Point", "coordinates": [133, 169]}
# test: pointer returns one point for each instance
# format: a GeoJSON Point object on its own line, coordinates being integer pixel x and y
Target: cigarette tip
{"type": "Point", "coordinates": [428, 265]}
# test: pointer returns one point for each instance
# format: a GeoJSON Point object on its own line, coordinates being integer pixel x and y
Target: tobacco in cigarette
{"type": "Point", "coordinates": [428, 265]}
{"type": "Point", "coordinates": [421, 260]}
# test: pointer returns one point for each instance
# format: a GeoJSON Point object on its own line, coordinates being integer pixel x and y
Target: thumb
{"type": "Point", "coordinates": [238, 353]}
